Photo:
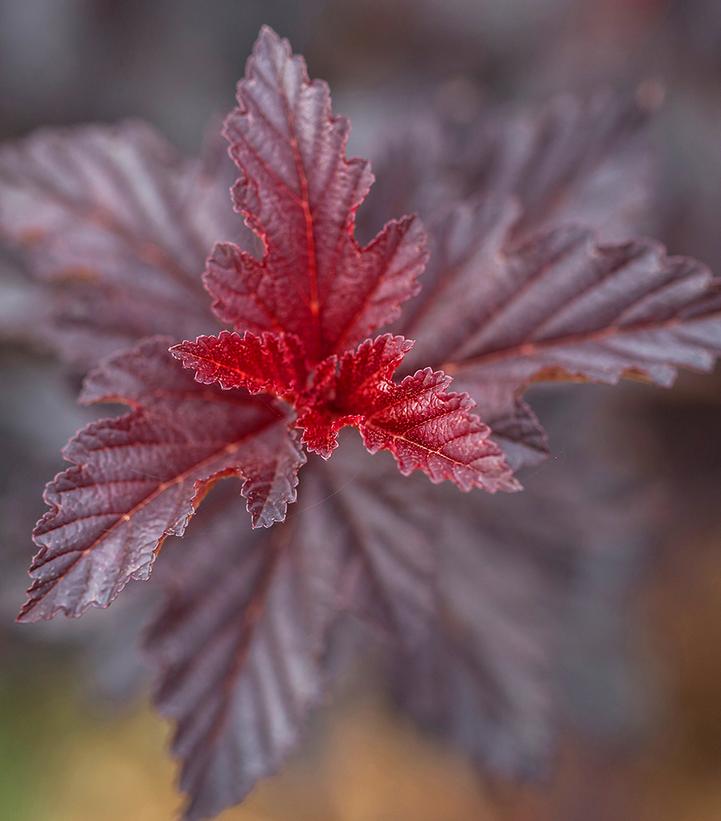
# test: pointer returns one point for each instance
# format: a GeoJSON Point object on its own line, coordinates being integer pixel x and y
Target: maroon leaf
{"type": "Point", "coordinates": [569, 308]}
{"type": "Point", "coordinates": [241, 644]}
{"type": "Point", "coordinates": [299, 193]}
{"type": "Point", "coordinates": [139, 478]}
{"type": "Point", "coordinates": [243, 639]}
{"type": "Point", "coordinates": [582, 160]}
{"type": "Point", "coordinates": [117, 226]}
{"type": "Point", "coordinates": [561, 306]}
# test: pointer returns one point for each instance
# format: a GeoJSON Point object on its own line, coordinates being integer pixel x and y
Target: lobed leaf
{"type": "Point", "coordinates": [571, 308]}
{"type": "Point", "coordinates": [299, 193]}
{"type": "Point", "coordinates": [427, 428]}
{"type": "Point", "coordinates": [559, 306]}
{"type": "Point", "coordinates": [242, 643]}
{"type": "Point", "coordinates": [139, 478]}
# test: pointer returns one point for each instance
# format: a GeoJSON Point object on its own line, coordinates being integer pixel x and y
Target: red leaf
{"type": "Point", "coordinates": [365, 372]}
{"type": "Point", "coordinates": [261, 364]}
{"type": "Point", "coordinates": [424, 427]}
{"type": "Point", "coordinates": [348, 390]}
{"type": "Point", "coordinates": [139, 478]}
{"type": "Point", "coordinates": [427, 428]}
{"type": "Point", "coordinates": [299, 193]}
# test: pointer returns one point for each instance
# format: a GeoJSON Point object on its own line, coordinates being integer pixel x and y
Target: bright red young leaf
{"type": "Point", "coordinates": [430, 429]}
{"type": "Point", "coordinates": [422, 424]}
{"type": "Point", "coordinates": [269, 363]}
{"type": "Point", "coordinates": [299, 193]}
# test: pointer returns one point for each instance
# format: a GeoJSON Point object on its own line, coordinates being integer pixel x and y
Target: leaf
{"type": "Point", "coordinates": [299, 193]}
{"type": "Point", "coordinates": [576, 159]}
{"type": "Point", "coordinates": [347, 390]}
{"type": "Point", "coordinates": [560, 306]}
{"type": "Point", "coordinates": [268, 363]}
{"type": "Point", "coordinates": [483, 187]}
{"type": "Point", "coordinates": [485, 680]}
{"type": "Point", "coordinates": [423, 425]}
{"type": "Point", "coordinates": [116, 227]}
{"type": "Point", "coordinates": [139, 478]}
{"type": "Point", "coordinates": [242, 643]}
{"type": "Point", "coordinates": [570, 308]}
{"type": "Point", "coordinates": [427, 428]}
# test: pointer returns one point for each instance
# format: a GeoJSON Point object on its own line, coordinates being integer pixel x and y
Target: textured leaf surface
{"type": "Point", "coordinates": [241, 646]}
{"type": "Point", "coordinates": [428, 428]}
{"type": "Point", "coordinates": [349, 389]}
{"type": "Point", "coordinates": [483, 187]}
{"type": "Point", "coordinates": [137, 479]}
{"type": "Point", "coordinates": [117, 226]}
{"type": "Point", "coordinates": [560, 306]}
{"type": "Point", "coordinates": [242, 642]}
{"type": "Point", "coordinates": [421, 423]}
{"type": "Point", "coordinates": [572, 308]}
{"type": "Point", "coordinates": [299, 193]}
{"type": "Point", "coordinates": [270, 363]}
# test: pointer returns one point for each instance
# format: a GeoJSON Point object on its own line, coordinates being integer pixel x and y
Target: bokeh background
{"type": "Point", "coordinates": [641, 715]}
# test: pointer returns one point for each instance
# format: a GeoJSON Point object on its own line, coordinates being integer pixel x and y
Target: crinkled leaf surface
{"type": "Point", "coordinates": [425, 426]}
{"type": "Point", "coordinates": [269, 363]}
{"type": "Point", "coordinates": [484, 187]}
{"type": "Point", "coordinates": [299, 193]}
{"type": "Point", "coordinates": [559, 306]}
{"type": "Point", "coordinates": [242, 642]}
{"type": "Point", "coordinates": [138, 478]}
{"type": "Point", "coordinates": [241, 645]}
